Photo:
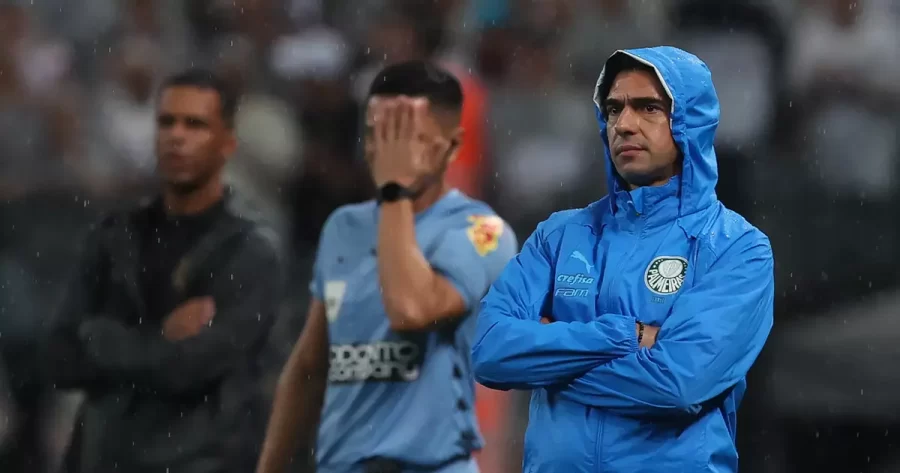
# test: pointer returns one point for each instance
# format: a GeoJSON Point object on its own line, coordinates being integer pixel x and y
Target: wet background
{"type": "Point", "coordinates": [808, 149]}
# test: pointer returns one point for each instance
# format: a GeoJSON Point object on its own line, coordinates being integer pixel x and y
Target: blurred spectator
{"type": "Point", "coordinates": [23, 129]}
{"type": "Point", "coordinates": [545, 139]}
{"type": "Point", "coordinates": [353, 17]}
{"type": "Point", "coordinates": [210, 18]}
{"type": "Point", "coordinates": [160, 21]}
{"type": "Point", "coordinates": [166, 388]}
{"type": "Point", "coordinates": [844, 69]}
{"type": "Point", "coordinates": [37, 127]}
{"type": "Point", "coordinates": [311, 64]}
{"type": "Point", "coordinates": [600, 27]}
{"type": "Point", "coordinates": [126, 111]}
{"type": "Point", "coordinates": [843, 86]}
{"type": "Point", "coordinates": [305, 11]}
{"type": "Point", "coordinates": [744, 47]}
{"type": "Point", "coordinates": [269, 138]}
{"type": "Point", "coordinates": [42, 63]}
{"type": "Point", "coordinates": [261, 21]}
{"type": "Point", "coordinates": [546, 17]}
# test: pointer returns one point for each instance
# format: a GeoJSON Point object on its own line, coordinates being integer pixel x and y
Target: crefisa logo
{"type": "Point", "coordinates": [575, 279]}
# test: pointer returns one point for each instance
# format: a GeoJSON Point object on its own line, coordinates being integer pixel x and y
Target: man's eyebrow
{"type": "Point", "coordinates": [649, 100]}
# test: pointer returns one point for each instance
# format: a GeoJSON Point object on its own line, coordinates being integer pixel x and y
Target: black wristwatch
{"type": "Point", "coordinates": [392, 192]}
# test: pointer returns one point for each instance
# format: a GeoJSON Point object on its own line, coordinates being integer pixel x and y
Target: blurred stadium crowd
{"type": "Point", "coordinates": [808, 149]}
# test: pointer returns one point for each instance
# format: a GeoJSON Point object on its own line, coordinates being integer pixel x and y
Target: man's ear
{"type": "Point", "coordinates": [456, 142]}
{"type": "Point", "coordinates": [230, 144]}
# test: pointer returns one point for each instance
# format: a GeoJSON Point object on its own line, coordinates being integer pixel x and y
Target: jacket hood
{"type": "Point", "coordinates": [694, 119]}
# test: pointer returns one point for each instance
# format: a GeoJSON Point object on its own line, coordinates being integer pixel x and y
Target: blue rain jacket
{"type": "Point", "coordinates": [671, 256]}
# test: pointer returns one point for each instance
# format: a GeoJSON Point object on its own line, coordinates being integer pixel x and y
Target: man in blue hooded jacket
{"type": "Point", "coordinates": [634, 320]}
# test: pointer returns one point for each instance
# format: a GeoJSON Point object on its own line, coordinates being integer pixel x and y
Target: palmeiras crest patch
{"type": "Point", "coordinates": [665, 275]}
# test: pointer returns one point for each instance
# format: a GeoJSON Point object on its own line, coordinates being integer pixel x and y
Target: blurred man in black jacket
{"type": "Point", "coordinates": [169, 309]}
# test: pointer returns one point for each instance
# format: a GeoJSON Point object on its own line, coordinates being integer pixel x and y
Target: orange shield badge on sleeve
{"type": "Point", "coordinates": [485, 232]}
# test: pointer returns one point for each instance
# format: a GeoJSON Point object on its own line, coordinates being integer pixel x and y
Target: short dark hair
{"type": "Point", "coordinates": [419, 79]}
{"type": "Point", "coordinates": [206, 79]}
{"type": "Point", "coordinates": [616, 65]}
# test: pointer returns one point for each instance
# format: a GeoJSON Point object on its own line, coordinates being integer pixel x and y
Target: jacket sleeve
{"type": "Point", "coordinates": [245, 291]}
{"type": "Point", "coordinates": [715, 331]}
{"type": "Point", "coordinates": [513, 350]}
{"type": "Point", "coordinates": [63, 360]}
{"type": "Point", "coordinates": [471, 272]}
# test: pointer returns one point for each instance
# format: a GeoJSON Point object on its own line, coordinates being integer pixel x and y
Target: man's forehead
{"type": "Point", "coordinates": [636, 83]}
{"type": "Point", "coordinates": [190, 97]}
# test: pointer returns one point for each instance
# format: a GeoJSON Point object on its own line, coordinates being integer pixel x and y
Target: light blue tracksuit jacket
{"type": "Point", "coordinates": [670, 256]}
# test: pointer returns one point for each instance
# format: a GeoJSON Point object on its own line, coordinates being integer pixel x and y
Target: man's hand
{"type": "Point", "coordinates": [409, 147]}
{"type": "Point", "coordinates": [649, 337]}
{"type": "Point", "coordinates": [189, 319]}
{"type": "Point", "coordinates": [546, 320]}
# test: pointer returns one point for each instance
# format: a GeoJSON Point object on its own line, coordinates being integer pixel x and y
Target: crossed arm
{"type": "Point", "coordinates": [513, 350]}
{"type": "Point", "coordinates": [716, 331]}
{"type": "Point", "coordinates": [87, 349]}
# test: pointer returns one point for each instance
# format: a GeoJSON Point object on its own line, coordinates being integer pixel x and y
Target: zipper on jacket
{"type": "Point", "coordinates": [637, 235]}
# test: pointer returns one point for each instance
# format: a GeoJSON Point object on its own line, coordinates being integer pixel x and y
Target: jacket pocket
{"type": "Point", "coordinates": [633, 445]}
{"type": "Point", "coordinates": [561, 436]}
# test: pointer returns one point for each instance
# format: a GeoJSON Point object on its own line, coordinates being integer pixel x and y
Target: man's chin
{"type": "Point", "coordinates": [639, 179]}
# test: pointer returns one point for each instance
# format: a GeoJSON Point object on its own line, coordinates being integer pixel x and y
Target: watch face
{"type": "Point", "coordinates": [392, 191]}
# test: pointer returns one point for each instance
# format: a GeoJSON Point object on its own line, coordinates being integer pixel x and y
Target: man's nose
{"type": "Point", "coordinates": [175, 135]}
{"type": "Point", "coordinates": [627, 122]}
